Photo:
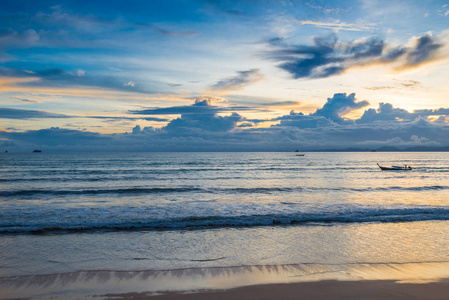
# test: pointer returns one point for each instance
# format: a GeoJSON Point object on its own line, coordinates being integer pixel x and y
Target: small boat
{"type": "Point", "coordinates": [37, 151]}
{"type": "Point", "coordinates": [396, 168]}
{"type": "Point", "coordinates": [300, 154]}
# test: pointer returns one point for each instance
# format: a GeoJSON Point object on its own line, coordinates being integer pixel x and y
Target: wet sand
{"type": "Point", "coordinates": [321, 290]}
{"type": "Point", "coordinates": [294, 281]}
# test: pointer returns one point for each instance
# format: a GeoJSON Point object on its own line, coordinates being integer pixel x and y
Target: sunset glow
{"type": "Point", "coordinates": [185, 69]}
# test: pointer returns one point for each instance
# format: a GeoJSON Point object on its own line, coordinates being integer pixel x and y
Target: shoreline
{"type": "Point", "coordinates": [228, 282]}
{"type": "Point", "coordinates": [316, 290]}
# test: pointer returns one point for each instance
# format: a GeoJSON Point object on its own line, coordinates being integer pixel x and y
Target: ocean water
{"type": "Point", "coordinates": [72, 212]}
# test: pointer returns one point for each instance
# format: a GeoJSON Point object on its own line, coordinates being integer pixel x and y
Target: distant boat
{"type": "Point", "coordinates": [37, 151]}
{"type": "Point", "coordinates": [301, 154]}
{"type": "Point", "coordinates": [396, 168]}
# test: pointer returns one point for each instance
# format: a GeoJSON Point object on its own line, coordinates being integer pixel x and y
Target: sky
{"type": "Point", "coordinates": [204, 75]}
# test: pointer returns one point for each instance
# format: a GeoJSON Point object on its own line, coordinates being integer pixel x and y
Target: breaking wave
{"type": "Point", "coordinates": [94, 221]}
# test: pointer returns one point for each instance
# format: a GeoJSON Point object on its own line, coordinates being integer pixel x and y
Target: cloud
{"type": "Point", "coordinates": [325, 9]}
{"type": "Point", "coordinates": [138, 130]}
{"type": "Point", "coordinates": [325, 58]}
{"type": "Point", "coordinates": [11, 113]}
{"type": "Point", "coordinates": [229, 8]}
{"type": "Point", "coordinates": [201, 106]}
{"type": "Point", "coordinates": [386, 112]}
{"type": "Point", "coordinates": [18, 39]}
{"type": "Point", "coordinates": [202, 128]}
{"type": "Point", "coordinates": [338, 106]}
{"type": "Point", "coordinates": [58, 77]}
{"type": "Point", "coordinates": [385, 126]}
{"type": "Point", "coordinates": [26, 99]}
{"type": "Point", "coordinates": [209, 99]}
{"type": "Point", "coordinates": [329, 57]}
{"type": "Point", "coordinates": [57, 16]}
{"type": "Point", "coordinates": [55, 137]}
{"type": "Point", "coordinates": [201, 116]}
{"type": "Point", "coordinates": [280, 103]}
{"type": "Point", "coordinates": [424, 49]}
{"type": "Point", "coordinates": [55, 27]}
{"type": "Point", "coordinates": [199, 123]}
{"type": "Point", "coordinates": [80, 72]}
{"type": "Point", "coordinates": [409, 84]}
{"type": "Point", "coordinates": [300, 120]}
{"type": "Point", "coordinates": [340, 25]}
{"type": "Point", "coordinates": [176, 34]}
{"type": "Point", "coordinates": [153, 119]}
{"type": "Point", "coordinates": [331, 114]}
{"type": "Point", "coordinates": [239, 82]}
{"type": "Point", "coordinates": [14, 39]}
{"type": "Point", "coordinates": [433, 112]}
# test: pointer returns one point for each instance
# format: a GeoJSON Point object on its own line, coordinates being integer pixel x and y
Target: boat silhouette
{"type": "Point", "coordinates": [395, 168]}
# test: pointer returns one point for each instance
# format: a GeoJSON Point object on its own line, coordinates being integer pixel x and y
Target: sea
{"type": "Point", "coordinates": [178, 215]}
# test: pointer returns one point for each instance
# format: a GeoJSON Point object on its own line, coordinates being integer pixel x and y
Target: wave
{"type": "Point", "coordinates": [211, 190]}
{"type": "Point", "coordinates": [116, 222]}
{"type": "Point", "coordinates": [36, 192]}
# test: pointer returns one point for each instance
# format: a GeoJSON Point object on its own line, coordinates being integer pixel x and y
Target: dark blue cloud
{"type": "Point", "coordinates": [302, 61]}
{"type": "Point", "coordinates": [426, 46]}
{"type": "Point", "coordinates": [55, 137]}
{"type": "Point", "coordinates": [200, 107]}
{"type": "Point", "coordinates": [328, 57]}
{"type": "Point", "coordinates": [196, 119]}
{"type": "Point", "coordinates": [191, 136]}
{"type": "Point", "coordinates": [24, 114]}
{"type": "Point", "coordinates": [203, 129]}
{"type": "Point", "coordinates": [203, 118]}
{"type": "Point", "coordinates": [138, 130]}
{"type": "Point", "coordinates": [193, 123]}
{"type": "Point", "coordinates": [300, 120]}
{"type": "Point", "coordinates": [12, 113]}
{"type": "Point", "coordinates": [393, 54]}
{"type": "Point", "coordinates": [325, 58]}
{"type": "Point", "coordinates": [433, 112]}
{"type": "Point", "coordinates": [386, 112]}
{"type": "Point", "coordinates": [197, 108]}
{"type": "Point", "coordinates": [331, 114]}
{"type": "Point", "coordinates": [339, 105]}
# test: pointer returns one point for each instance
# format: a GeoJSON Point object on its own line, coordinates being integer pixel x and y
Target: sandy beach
{"type": "Point", "coordinates": [387, 290]}
{"type": "Point", "coordinates": [352, 281]}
